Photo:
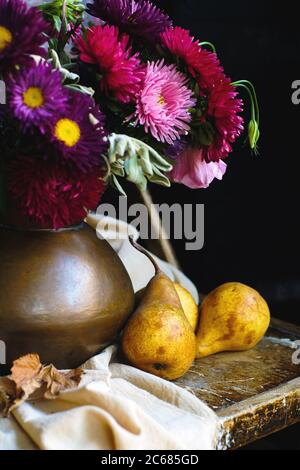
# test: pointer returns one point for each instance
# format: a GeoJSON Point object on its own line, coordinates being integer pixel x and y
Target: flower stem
{"type": "Point", "coordinates": [210, 44]}
{"type": "Point", "coordinates": [253, 97]}
{"type": "Point", "coordinates": [253, 128]}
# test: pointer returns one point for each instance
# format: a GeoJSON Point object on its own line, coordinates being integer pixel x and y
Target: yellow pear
{"type": "Point", "coordinates": [187, 301]}
{"type": "Point", "coordinates": [189, 305]}
{"type": "Point", "coordinates": [233, 317]}
{"type": "Point", "coordinates": [158, 337]}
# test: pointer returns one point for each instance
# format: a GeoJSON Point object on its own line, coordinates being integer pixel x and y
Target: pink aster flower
{"type": "Point", "coordinates": [121, 71]}
{"type": "Point", "coordinates": [223, 111]}
{"type": "Point", "coordinates": [193, 171]}
{"type": "Point", "coordinates": [202, 64]}
{"type": "Point", "coordinates": [164, 102]}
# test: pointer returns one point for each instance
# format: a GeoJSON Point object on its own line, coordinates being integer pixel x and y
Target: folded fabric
{"type": "Point", "coordinates": [116, 407]}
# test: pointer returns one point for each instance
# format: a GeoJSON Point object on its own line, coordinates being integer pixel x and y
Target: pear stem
{"type": "Point", "coordinates": [145, 252]}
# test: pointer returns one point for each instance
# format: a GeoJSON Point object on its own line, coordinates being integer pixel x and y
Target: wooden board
{"type": "Point", "coordinates": [256, 392]}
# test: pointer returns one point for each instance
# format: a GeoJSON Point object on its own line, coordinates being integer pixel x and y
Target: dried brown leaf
{"type": "Point", "coordinates": [8, 392]}
{"type": "Point", "coordinates": [57, 381]}
{"type": "Point", "coordinates": [25, 369]}
{"type": "Point", "coordinates": [29, 379]}
{"type": "Point", "coordinates": [25, 373]}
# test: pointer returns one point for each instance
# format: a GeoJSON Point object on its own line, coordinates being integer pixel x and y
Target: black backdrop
{"type": "Point", "coordinates": [251, 218]}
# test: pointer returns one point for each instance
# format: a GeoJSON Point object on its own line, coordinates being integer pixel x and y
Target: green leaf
{"type": "Point", "coordinates": [146, 163]}
{"type": "Point", "coordinates": [74, 10]}
{"type": "Point", "coordinates": [115, 183]}
{"type": "Point", "coordinates": [160, 178]}
{"type": "Point", "coordinates": [135, 172]}
{"type": "Point", "coordinates": [52, 44]}
{"type": "Point", "coordinates": [118, 171]}
{"type": "Point", "coordinates": [137, 161]}
{"type": "Point", "coordinates": [69, 78]}
{"type": "Point", "coordinates": [205, 134]}
{"type": "Point", "coordinates": [82, 89]}
{"type": "Point", "coordinates": [56, 22]}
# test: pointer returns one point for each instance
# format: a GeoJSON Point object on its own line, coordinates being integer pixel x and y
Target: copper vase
{"type": "Point", "coordinates": [63, 294]}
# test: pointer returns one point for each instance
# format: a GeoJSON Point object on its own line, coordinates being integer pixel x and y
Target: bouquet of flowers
{"type": "Point", "coordinates": [108, 91]}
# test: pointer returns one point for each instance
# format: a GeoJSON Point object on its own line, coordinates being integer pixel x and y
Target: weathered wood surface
{"type": "Point", "coordinates": [255, 393]}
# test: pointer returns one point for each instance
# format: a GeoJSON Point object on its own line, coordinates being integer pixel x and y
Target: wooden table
{"type": "Point", "coordinates": [255, 393]}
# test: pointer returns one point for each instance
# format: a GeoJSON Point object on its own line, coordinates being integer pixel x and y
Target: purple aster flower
{"type": "Point", "coordinates": [79, 133]}
{"type": "Point", "coordinates": [175, 149]}
{"type": "Point", "coordinates": [22, 32]}
{"type": "Point", "coordinates": [137, 17]}
{"type": "Point", "coordinates": [36, 96]}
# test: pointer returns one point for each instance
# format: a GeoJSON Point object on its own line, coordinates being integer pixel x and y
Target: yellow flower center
{"type": "Point", "coordinates": [33, 97]}
{"type": "Point", "coordinates": [67, 131]}
{"type": "Point", "coordinates": [5, 38]}
{"type": "Point", "coordinates": [161, 100]}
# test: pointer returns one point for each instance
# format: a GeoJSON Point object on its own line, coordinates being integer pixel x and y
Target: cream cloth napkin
{"type": "Point", "coordinates": [116, 407]}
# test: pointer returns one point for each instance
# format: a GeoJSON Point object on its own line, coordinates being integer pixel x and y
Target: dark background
{"type": "Point", "coordinates": [251, 217]}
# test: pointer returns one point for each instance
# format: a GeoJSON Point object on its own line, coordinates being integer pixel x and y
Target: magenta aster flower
{"type": "Point", "coordinates": [79, 133]}
{"type": "Point", "coordinates": [22, 32]}
{"type": "Point", "coordinates": [136, 17]}
{"type": "Point", "coordinates": [164, 102]}
{"type": "Point", "coordinates": [193, 171]}
{"type": "Point", "coordinates": [121, 71]}
{"type": "Point", "coordinates": [36, 96]}
{"type": "Point", "coordinates": [51, 194]}
{"type": "Point", "coordinates": [223, 112]}
{"type": "Point", "coordinates": [202, 64]}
